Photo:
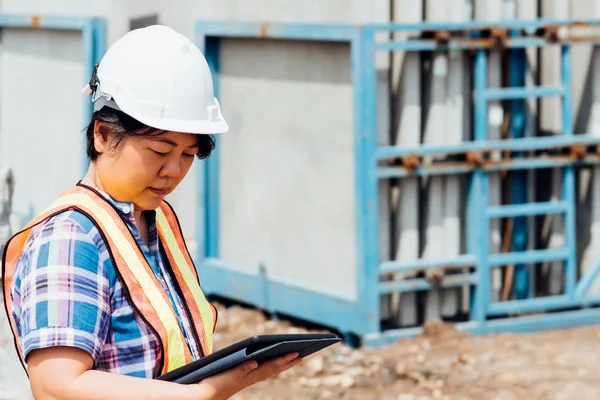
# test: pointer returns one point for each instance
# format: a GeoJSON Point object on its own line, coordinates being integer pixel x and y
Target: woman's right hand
{"type": "Point", "coordinates": [225, 384]}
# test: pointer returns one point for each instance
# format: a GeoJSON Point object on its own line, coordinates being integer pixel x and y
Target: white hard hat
{"type": "Point", "coordinates": [160, 78]}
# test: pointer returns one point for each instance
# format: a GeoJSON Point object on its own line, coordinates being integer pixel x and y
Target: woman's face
{"type": "Point", "coordinates": [144, 169]}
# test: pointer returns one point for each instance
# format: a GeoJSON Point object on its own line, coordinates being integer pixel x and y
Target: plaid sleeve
{"type": "Point", "coordinates": [62, 295]}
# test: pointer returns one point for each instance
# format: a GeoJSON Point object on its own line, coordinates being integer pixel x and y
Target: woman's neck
{"type": "Point", "coordinates": [92, 178]}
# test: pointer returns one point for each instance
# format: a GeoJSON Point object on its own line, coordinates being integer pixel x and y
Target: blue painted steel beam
{"type": "Point", "coordinates": [392, 336]}
{"type": "Point", "coordinates": [529, 256]}
{"type": "Point", "coordinates": [524, 324]}
{"type": "Point", "coordinates": [568, 183]}
{"type": "Point", "coordinates": [478, 226]}
{"type": "Point", "coordinates": [467, 260]}
{"type": "Point", "coordinates": [515, 93]}
{"type": "Point", "coordinates": [518, 179]}
{"type": "Point", "coordinates": [367, 201]}
{"type": "Point", "coordinates": [552, 321]}
{"type": "Point", "coordinates": [93, 32]}
{"type": "Point", "coordinates": [44, 22]}
{"type": "Point", "coordinates": [211, 181]}
{"type": "Point", "coordinates": [464, 168]}
{"type": "Point", "coordinates": [423, 45]}
{"type": "Point", "coordinates": [514, 210]}
{"type": "Point", "coordinates": [414, 285]}
{"type": "Point", "coordinates": [514, 144]}
{"type": "Point", "coordinates": [481, 25]}
{"type": "Point", "coordinates": [530, 305]}
{"type": "Point", "coordinates": [268, 30]}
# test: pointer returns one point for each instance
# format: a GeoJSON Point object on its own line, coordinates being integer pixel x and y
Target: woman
{"type": "Point", "coordinates": [100, 289]}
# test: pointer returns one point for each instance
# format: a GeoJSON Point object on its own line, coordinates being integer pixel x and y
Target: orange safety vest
{"type": "Point", "coordinates": [145, 293]}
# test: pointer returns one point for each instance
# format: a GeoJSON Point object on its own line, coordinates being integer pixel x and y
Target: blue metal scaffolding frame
{"type": "Point", "coordinates": [373, 164]}
{"type": "Point", "coordinates": [93, 31]}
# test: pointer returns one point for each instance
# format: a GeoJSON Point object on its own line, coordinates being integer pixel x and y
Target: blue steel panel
{"type": "Point", "coordinates": [467, 260]}
{"type": "Point", "coordinates": [529, 256]}
{"type": "Point", "coordinates": [530, 305]}
{"type": "Point", "coordinates": [515, 93]}
{"type": "Point", "coordinates": [552, 207]}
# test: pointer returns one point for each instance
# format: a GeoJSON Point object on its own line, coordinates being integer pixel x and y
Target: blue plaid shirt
{"type": "Point", "coordinates": [66, 293]}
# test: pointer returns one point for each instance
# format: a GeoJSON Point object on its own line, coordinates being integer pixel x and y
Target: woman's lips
{"type": "Point", "coordinates": [159, 192]}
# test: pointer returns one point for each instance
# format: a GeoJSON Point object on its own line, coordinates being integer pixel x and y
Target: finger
{"type": "Point", "coordinates": [247, 367]}
{"type": "Point", "coordinates": [276, 365]}
{"type": "Point", "coordinates": [273, 368]}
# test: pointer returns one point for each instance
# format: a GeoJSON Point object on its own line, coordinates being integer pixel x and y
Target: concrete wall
{"type": "Point", "coordinates": [287, 173]}
{"type": "Point", "coordinates": [41, 75]}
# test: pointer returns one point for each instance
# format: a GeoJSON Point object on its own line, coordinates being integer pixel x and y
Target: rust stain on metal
{"type": "Point", "coordinates": [474, 158]}
{"type": "Point", "coordinates": [410, 162]}
{"type": "Point", "coordinates": [551, 33]}
{"type": "Point", "coordinates": [580, 23]}
{"type": "Point", "coordinates": [35, 21]}
{"type": "Point", "coordinates": [436, 275]}
{"type": "Point", "coordinates": [442, 37]}
{"type": "Point", "coordinates": [577, 151]}
{"type": "Point", "coordinates": [580, 39]}
{"type": "Point", "coordinates": [264, 29]}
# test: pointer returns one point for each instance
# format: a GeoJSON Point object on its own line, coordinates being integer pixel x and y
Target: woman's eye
{"type": "Point", "coordinates": [160, 153]}
{"type": "Point", "coordinates": [188, 155]}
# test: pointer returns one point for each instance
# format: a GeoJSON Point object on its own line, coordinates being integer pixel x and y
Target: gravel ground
{"type": "Point", "coordinates": [442, 364]}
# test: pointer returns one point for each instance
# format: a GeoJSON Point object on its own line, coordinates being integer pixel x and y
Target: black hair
{"type": "Point", "coordinates": [122, 127]}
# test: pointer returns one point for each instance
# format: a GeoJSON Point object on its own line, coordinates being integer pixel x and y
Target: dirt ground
{"type": "Point", "coordinates": [440, 364]}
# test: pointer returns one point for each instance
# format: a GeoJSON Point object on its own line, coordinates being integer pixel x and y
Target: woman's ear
{"type": "Point", "coordinates": [100, 138]}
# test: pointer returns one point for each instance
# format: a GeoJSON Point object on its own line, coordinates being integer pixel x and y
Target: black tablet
{"type": "Point", "coordinates": [260, 348]}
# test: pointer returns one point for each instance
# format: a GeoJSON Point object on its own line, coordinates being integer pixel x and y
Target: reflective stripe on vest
{"type": "Point", "coordinates": [145, 293]}
{"type": "Point", "coordinates": [203, 313]}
